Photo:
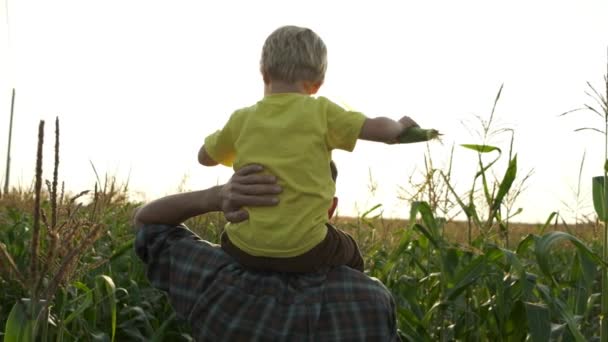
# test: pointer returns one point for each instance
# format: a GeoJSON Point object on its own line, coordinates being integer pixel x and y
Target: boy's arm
{"type": "Point", "coordinates": [204, 158]}
{"type": "Point", "coordinates": [385, 130]}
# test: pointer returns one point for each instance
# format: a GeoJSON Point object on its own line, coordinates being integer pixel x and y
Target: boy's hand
{"type": "Point", "coordinates": [408, 122]}
{"type": "Point", "coordinates": [204, 158]}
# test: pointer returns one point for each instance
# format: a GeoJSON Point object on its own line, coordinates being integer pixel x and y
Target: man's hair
{"type": "Point", "coordinates": [334, 170]}
{"type": "Point", "coordinates": [292, 54]}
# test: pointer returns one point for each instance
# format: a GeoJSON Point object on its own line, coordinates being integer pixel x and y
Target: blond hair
{"type": "Point", "coordinates": [292, 54]}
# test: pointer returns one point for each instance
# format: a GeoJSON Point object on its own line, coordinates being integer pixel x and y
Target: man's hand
{"type": "Point", "coordinates": [248, 188]}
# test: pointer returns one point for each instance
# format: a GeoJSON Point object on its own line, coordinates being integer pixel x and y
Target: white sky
{"type": "Point", "coordinates": [138, 85]}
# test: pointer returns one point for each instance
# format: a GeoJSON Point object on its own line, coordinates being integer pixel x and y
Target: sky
{"type": "Point", "coordinates": [137, 85]}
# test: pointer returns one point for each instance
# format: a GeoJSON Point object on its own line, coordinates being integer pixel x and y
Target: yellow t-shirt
{"type": "Point", "coordinates": [292, 136]}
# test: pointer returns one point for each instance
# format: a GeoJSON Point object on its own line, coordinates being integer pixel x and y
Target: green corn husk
{"type": "Point", "coordinates": [417, 134]}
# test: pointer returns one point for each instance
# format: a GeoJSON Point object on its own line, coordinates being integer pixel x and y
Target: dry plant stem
{"type": "Point", "coordinates": [52, 227]}
{"type": "Point", "coordinates": [36, 226]}
{"type": "Point", "coordinates": [71, 214]}
{"type": "Point", "coordinates": [8, 153]}
{"type": "Point", "coordinates": [71, 258]}
{"type": "Point", "coordinates": [55, 173]}
{"type": "Point", "coordinates": [61, 197]}
{"type": "Point", "coordinates": [12, 267]}
{"type": "Point", "coordinates": [95, 200]}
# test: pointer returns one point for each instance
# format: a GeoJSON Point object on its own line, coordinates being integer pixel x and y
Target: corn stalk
{"type": "Point", "coordinates": [601, 190]}
{"type": "Point", "coordinates": [604, 305]}
{"type": "Point", "coordinates": [8, 153]}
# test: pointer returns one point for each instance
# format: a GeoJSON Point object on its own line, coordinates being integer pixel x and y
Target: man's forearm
{"type": "Point", "coordinates": [175, 209]}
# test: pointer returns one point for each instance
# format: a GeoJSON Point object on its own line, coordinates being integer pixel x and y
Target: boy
{"type": "Point", "coordinates": [292, 135]}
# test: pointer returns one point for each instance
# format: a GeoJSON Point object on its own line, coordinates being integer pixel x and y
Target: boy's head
{"type": "Point", "coordinates": [293, 54]}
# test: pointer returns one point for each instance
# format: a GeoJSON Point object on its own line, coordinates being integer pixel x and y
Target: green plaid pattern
{"type": "Point", "coordinates": [224, 302]}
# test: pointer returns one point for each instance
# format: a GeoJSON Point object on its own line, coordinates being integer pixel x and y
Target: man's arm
{"type": "Point", "coordinates": [385, 130]}
{"type": "Point", "coordinates": [245, 188]}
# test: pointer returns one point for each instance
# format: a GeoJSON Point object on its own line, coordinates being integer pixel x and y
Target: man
{"type": "Point", "coordinates": [222, 301]}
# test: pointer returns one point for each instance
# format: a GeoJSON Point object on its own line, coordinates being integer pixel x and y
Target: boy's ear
{"type": "Point", "coordinates": [312, 87]}
{"type": "Point", "coordinates": [265, 76]}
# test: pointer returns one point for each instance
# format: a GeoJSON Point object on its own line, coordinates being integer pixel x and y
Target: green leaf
{"type": "Point", "coordinates": [18, 326]}
{"type": "Point", "coordinates": [599, 197]}
{"type": "Point", "coordinates": [544, 244]}
{"type": "Point", "coordinates": [106, 286]}
{"type": "Point", "coordinates": [560, 308]}
{"type": "Point", "coordinates": [83, 305]}
{"type": "Point", "coordinates": [547, 222]}
{"type": "Point", "coordinates": [426, 233]}
{"type": "Point", "coordinates": [515, 323]}
{"type": "Point", "coordinates": [507, 182]}
{"type": "Point", "coordinates": [431, 229]}
{"type": "Point", "coordinates": [525, 244]}
{"type": "Point", "coordinates": [371, 210]}
{"type": "Point", "coordinates": [159, 335]}
{"type": "Point", "coordinates": [472, 272]}
{"type": "Point", "coordinates": [481, 148]}
{"type": "Point", "coordinates": [539, 322]}
{"type": "Point", "coordinates": [122, 249]}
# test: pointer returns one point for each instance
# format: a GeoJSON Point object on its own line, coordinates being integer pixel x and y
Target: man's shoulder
{"type": "Point", "coordinates": [181, 246]}
{"type": "Point", "coordinates": [346, 284]}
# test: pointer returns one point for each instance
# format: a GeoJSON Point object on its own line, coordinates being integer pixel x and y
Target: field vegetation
{"type": "Point", "coordinates": [68, 271]}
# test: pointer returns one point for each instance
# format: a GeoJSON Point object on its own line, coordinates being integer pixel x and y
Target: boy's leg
{"type": "Point", "coordinates": [341, 249]}
{"type": "Point", "coordinates": [338, 248]}
{"type": "Point", "coordinates": [299, 264]}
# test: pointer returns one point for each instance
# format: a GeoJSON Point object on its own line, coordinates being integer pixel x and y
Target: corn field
{"type": "Point", "coordinates": [68, 271]}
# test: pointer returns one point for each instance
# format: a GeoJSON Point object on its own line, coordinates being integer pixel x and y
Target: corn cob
{"type": "Point", "coordinates": [417, 134]}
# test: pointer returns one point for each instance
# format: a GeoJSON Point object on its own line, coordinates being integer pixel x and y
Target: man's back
{"type": "Point", "coordinates": [224, 302]}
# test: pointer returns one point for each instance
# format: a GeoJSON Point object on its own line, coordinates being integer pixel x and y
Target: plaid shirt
{"type": "Point", "coordinates": [224, 302]}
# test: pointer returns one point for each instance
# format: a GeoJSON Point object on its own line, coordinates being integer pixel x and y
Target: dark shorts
{"type": "Point", "coordinates": [338, 248]}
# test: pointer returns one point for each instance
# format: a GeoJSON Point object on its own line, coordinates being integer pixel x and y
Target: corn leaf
{"type": "Point", "coordinates": [159, 335]}
{"type": "Point", "coordinates": [84, 304]}
{"type": "Point", "coordinates": [481, 148]}
{"type": "Point", "coordinates": [539, 322]}
{"type": "Point", "coordinates": [107, 289]}
{"type": "Point", "coordinates": [515, 323]}
{"type": "Point", "coordinates": [122, 249]}
{"type": "Point", "coordinates": [547, 222]}
{"type": "Point", "coordinates": [599, 199]}
{"type": "Point", "coordinates": [544, 244]}
{"type": "Point", "coordinates": [560, 308]}
{"type": "Point", "coordinates": [472, 272]}
{"type": "Point", "coordinates": [506, 183]}
{"type": "Point", "coordinates": [18, 326]}
{"type": "Point", "coordinates": [430, 231]}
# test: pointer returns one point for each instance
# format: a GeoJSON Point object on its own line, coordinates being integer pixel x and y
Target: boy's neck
{"type": "Point", "coordinates": [278, 87]}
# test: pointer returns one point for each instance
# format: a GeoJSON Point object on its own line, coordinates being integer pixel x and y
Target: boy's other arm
{"type": "Point", "coordinates": [382, 129]}
{"type": "Point", "coordinates": [204, 158]}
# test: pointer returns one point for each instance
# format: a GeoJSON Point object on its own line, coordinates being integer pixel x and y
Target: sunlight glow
{"type": "Point", "coordinates": [137, 85]}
